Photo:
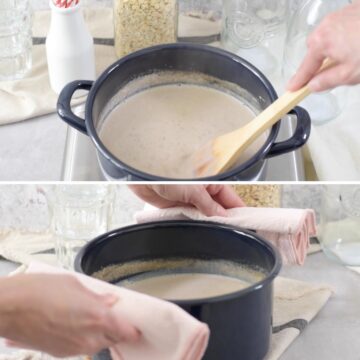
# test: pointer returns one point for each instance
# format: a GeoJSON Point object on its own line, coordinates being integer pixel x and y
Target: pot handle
{"type": "Point", "coordinates": [64, 104]}
{"type": "Point", "coordinates": [300, 137]}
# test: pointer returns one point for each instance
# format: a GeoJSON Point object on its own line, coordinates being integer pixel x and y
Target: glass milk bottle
{"type": "Point", "coordinates": [69, 48]}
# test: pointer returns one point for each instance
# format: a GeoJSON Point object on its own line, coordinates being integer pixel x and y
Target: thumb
{"type": "Point", "coordinates": [120, 329]}
{"type": "Point", "coordinates": [117, 327]}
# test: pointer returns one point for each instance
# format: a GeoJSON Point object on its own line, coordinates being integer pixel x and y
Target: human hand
{"type": "Point", "coordinates": [337, 38]}
{"type": "Point", "coordinates": [56, 314]}
{"type": "Point", "coordinates": [211, 200]}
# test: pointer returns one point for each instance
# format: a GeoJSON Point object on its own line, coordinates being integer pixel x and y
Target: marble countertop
{"type": "Point", "coordinates": [334, 333]}
{"type": "Point", "coordinates": [32, 150]}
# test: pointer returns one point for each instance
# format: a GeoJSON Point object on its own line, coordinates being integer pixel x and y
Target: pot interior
{"type": "Point", "coordinates": [174, 251]}
{"type": "Point", "coordinates": [164, 69]}
{"type": "Point", "coordinates": [179, 279]}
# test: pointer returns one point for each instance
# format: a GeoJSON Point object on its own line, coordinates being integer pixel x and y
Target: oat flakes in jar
{"type": "Point", "coordinates": [260, 195]}
{"type": "Point", "coordinates": [143, 23]}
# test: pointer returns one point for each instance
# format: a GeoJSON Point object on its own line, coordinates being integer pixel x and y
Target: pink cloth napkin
{"type": "Point", "coordinates": [288, 229]}
{"type": "Point", "coordinates": [168, 332]}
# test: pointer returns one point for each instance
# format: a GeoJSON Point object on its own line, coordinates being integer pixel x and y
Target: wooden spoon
{"type": "Point", "coordinates": [222, 152]}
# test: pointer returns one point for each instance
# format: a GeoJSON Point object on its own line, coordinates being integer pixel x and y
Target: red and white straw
{"type": "Point", "coordinates": [65, 3]}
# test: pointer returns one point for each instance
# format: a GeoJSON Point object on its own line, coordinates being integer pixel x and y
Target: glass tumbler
{"type": "Point", "coordinates": [307, 16]}
{"type": "Point", "coordinates": [248, 27]}
{"type": "Point", "coordinates": [340, 223]}
{"type": "Point", "coordinates": [15, 39]}
{"type": "Point", "coordinates": [79, 213]}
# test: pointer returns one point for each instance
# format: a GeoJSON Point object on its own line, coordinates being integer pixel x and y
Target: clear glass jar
{"type": "Point", "coordinates": [340, 223]}
{"type": "Point", "coordinates": [15, 39]}
{"type": "Point", "coordinates": [248, 27]}
{"type": "Point", "coordinates": [247, 23]}
{"type": "Point", "coordinates": [143, 23]}
{"type": "Point", "coordinates": [328, 105]}
{"type": "Point", "coordinates": [201, 9]}
{"type": "Point", "coordinates": [200, 21]}
{"type": "Point", "coordinates": [79, 214]}
{"type": "Point", "coordinates": [294, 6]}
{"type": "Point", "coordinates": [260, 195]}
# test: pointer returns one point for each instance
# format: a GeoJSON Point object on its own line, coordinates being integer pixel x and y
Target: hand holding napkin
{"type": "Point", "coordinates": [288, 229]}
{"type": "Point", "coordinates": [167, 331]}
{"type": "Point", "coordinates": [296, 303]}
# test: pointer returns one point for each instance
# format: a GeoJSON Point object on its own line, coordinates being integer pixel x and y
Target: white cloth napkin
{"type": "Point", "coordinates": [355, 268]}
{"type": "Point", "coordinates": [26, 247]}
{"type": "Point", "coordinates": [288, 229]}
{"type": "Point", "coordinates": [296, 304]}
{"type": "Point", "coordinates": [335, 147]}
{"type": "Point", "coordinates": [167, 331]}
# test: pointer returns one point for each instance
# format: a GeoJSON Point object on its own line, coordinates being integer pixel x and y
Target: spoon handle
{"type": "Point", "coordinates": [276, 111]}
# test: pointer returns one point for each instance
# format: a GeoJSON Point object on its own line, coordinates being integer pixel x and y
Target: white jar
{"type": "Point", "coordinates": [69, 47]}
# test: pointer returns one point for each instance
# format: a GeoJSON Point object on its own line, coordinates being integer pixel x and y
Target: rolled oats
{"type": "Point", "coordinates": [143, 23]}
{"type": "Point", "coordinates": [259, 195]}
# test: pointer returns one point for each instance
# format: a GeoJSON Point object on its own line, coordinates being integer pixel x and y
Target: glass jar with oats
{"type": "Point", "coordinates": [143, 23]}
{"type": "Point", "coordinates": [260, 195]}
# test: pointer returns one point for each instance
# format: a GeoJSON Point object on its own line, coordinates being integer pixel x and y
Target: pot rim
{"type": "Point", "coordinates": [249, 236]}
{"type": "Point", "coordinates": [260, 154]}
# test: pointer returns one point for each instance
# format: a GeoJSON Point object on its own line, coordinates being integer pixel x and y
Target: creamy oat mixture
{"type": "Point", "coordinates": [186, 286]}
{"type": "Point", "coordinates": [158, 129]}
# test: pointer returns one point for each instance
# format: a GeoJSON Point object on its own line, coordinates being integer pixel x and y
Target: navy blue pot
{"type": "Point", "coordinates": [211, 61]}
{"type": "Point", "coordinates": [241, 322]}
